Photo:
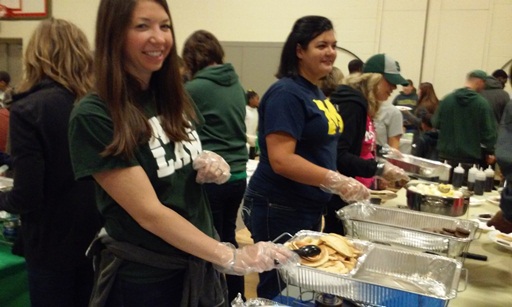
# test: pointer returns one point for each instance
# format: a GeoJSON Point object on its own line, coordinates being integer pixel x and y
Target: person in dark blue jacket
{"type": "Point", "coordinates": [503, 219]}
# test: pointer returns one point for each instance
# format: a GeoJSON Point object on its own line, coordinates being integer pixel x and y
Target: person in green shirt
{"type": "Point", "coordinates": [136, 137]}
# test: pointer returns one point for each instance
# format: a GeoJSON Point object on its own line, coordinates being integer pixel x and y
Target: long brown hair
{"type": "Point", "coordinates": [428, 98]}
{"type": "Point", "coordinates": [114, 84]}
{"type": "Point", "coordinates": [58, 50]}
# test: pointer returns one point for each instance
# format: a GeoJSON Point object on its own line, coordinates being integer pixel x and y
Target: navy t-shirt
{"type": "Point", "coordinates": [299, 108]}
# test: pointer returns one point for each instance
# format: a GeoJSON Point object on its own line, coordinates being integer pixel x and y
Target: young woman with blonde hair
{"type": "Point", "coordinates": [358, 101]}
{"type": "Point", "coordinates": [58, 214]}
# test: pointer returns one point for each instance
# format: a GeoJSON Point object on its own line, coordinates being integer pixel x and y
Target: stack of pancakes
{"type": "Point", "coordinates": [338, 254]}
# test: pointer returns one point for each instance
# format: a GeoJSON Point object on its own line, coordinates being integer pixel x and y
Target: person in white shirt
{"type": "Point", "coordinates": [251, 121]}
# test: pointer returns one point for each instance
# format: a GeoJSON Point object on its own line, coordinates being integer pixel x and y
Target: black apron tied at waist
{"type": "Point", "coordinates": [203, 285]}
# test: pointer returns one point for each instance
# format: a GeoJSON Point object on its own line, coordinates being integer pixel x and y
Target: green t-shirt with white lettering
{"type": "Point", "coordinates": [167, 164]}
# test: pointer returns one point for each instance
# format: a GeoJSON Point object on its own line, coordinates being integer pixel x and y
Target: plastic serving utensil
{"type": "Point", "coordinates": [308, 251]}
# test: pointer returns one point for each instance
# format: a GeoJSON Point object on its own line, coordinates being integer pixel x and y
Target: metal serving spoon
{"type": "Point", "coordinates": [308, 251]}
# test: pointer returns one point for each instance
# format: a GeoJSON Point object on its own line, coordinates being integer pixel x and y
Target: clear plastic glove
{"type": "Point", "coordinates": [211, 168]}
{"type": "Point", "coordinates": [394, 173]}
{"type": "Point", "coordinates": [349, 189]}
{"type": "Point", "coordinates": [388, 150]}
{"type": "Point", "coordinates": [259, 257]}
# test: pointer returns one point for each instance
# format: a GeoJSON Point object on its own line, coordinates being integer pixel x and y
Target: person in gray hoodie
{"type": "Point", "coordinates": [502, 220]}
{"type": "Point", "coordinates": [496, 96]}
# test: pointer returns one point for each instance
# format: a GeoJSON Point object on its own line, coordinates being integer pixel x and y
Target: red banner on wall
{"type": "Point", "coordinates": [24, 9]}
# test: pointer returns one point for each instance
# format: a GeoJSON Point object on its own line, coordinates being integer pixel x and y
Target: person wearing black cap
{"type": "Point", "coordinates": [358, 100]}
{"type": "Point", "coordinates": [355, 66]}
{"type": "Point", "coordinates": [466, 124]}
{"type": "Point", "coordinates": [497, 97]}
{"type": "Point", "coordinates": [501, 75]}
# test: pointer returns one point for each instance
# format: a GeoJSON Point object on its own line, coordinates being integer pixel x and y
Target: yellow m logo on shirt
{"type": "Point", "coordinates": [333, 117]}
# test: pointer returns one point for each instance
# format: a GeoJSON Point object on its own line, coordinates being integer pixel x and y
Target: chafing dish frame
{"type": "Point", "coordinates": [405, 228]}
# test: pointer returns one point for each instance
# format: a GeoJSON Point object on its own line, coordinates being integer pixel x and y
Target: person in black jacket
{"type": "Point", "coordinates": [424, 145]}
{"type": "Point", "coordinates": [58, 214]}
{"type": "Point", "coordinates": [357, 101]}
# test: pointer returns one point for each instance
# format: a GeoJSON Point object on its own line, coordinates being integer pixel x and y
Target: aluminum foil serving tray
{"type": "Point", "coordinates": [406, 228]}
{"type": "Point", "coordinates": [418, 166]}
{"type": "Point", "coordinates": [387, 277]}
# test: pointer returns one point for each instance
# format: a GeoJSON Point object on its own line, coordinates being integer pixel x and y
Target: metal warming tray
{"type": "Point", "coordinates": [386, 277]}
{"type": "Point", "coordinates": [418, 200]}
{"type": "Point", "coordinates": [418, 166]}
{"type": "Point", "coordinates": [405, 228]}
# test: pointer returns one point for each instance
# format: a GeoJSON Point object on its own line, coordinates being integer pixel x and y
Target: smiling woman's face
{"type": "Point", "coordinates": [316, 61]}
{"type": "Point", "coordinates": [148, 41]}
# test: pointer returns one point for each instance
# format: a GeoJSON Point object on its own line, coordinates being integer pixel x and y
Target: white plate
{"type": "Point", "coordinates": [494, 236]}
{"type": "Point", "coordinates": [483, 225]}
{"type": "Point", "coordinates": [475, 202]}
{"type": "Point", "coordinates": [403, 108]}
{"type": "Point", "coordinates": [495, 200]}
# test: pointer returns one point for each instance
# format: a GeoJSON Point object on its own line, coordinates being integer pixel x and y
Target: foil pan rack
{"type": "Point", "coordinates": [387, 277]}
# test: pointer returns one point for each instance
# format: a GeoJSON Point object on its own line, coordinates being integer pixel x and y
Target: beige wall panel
{"type": "Point", "coordinates": [362, 26]}
{"type": "Point", "coordinates": [402, 38]}
{"type": "Point", "coordinates": [255, 63]}
{"type": "Point", "coordinates": [460, 47]}
{"type": "Point", "coordinates": [466, 4]}
{"type": "Point", "coordinates": [500, 45]}
{"type": "Point", "coordinates": [405, 5]}
{"type": "Point", "coordinates": [257, 21]}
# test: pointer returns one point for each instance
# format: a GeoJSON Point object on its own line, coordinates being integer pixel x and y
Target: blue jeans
{"type": "Point", "coordinates": [60, 288]}
{"type": "Point", "coordinates": [163, 293]}
{"type": "Point", "coordinates": [225, 200]}
{"type": "Point", "coordinates": [267, 218]}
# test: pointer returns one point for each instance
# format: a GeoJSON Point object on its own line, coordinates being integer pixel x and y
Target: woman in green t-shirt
{"type": "Point", "coordinates": [135, 136]}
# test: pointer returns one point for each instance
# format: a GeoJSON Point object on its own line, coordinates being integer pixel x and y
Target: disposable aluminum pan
{"type": "Point", "coordinates": [363, 246]}
{"type": "Point", "coordinates": [418, 166]}
{"type": "Point", "coordinates": [387, 277]}
{"type": "Point", "coordinates": [406, 228]}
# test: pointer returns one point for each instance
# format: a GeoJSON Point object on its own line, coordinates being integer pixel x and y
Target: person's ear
{"type": "Point", "coordinates": [299, 51]}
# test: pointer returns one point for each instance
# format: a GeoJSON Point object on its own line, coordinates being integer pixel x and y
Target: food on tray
{"type": "Point", "coordinates": [436, 190]}
{"type": "Point", "coordinates": [457, 232]}
{"type": "Point", "coordinates": [444, 188]}
{"type": "Point", "coordinates": [338, 254]}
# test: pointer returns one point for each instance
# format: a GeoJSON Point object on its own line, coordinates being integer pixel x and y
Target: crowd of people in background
{"type": "Point", "coordinates": [143, 154]}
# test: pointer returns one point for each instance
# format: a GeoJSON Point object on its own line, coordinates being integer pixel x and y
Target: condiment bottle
{"type": "Point", "coordinates": [479, 182]}
{"type": "Point", "coordinates": [444, 177]}
{"type": "Point", "coordinates": [489, 179]}
{"type": "Point", "coordinates": [458, 176]}
{"type": "Point", "coordinates": [471, 177]}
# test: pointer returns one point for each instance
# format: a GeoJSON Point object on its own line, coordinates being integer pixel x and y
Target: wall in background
{"type": "Point", "coordinates": [434, 40]}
